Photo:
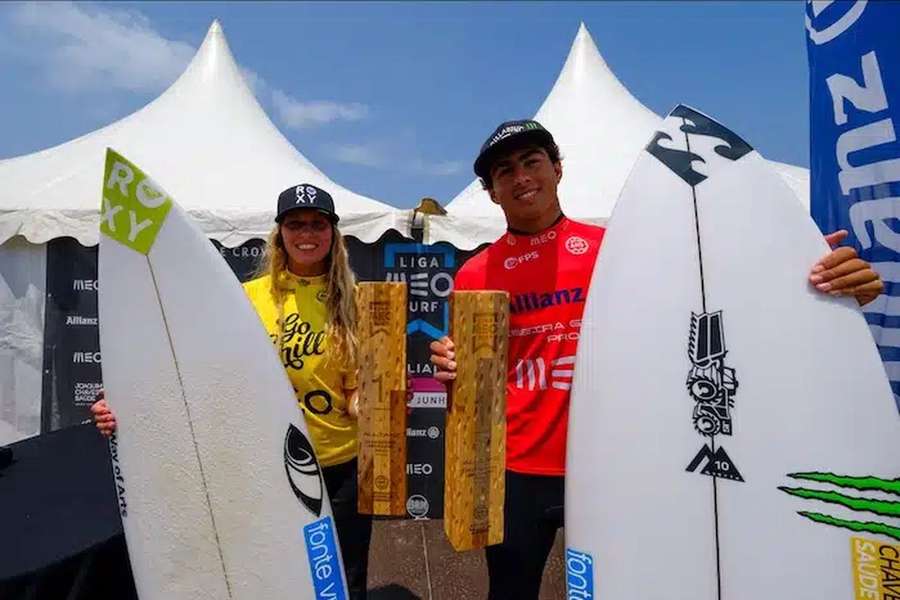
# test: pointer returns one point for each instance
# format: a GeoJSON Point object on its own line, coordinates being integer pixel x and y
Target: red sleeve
{"type": "Point", "coordinates": [471, 275]}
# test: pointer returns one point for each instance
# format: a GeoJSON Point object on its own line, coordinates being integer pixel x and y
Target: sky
{"type": "Point", "coordinates": [393, 100]}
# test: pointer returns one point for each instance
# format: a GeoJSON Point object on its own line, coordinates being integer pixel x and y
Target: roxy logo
{"type": "Point", "coordinates": [514, 261]}
{"type": "Point", "coordinates": [147, 192]}
{"type": "Point", "coordinates": [579, 575]}
{"type": "Point", "coordinates": [306, 194]}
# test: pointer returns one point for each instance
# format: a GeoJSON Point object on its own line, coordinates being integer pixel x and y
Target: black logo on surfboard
{"type": "Point", "coordinates": [681, 162]}
{"type": "Point", "coordinates": [715, 464]}
{"type": "Point", "coordinates": [711, 384]}
{"type": "Point", "coordinates": [302, 470]}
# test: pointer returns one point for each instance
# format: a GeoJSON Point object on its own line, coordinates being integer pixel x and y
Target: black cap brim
{"type": "Point", "coordinates": [487, 158]}
{"type": "Point", "coordinates": [331, 216]}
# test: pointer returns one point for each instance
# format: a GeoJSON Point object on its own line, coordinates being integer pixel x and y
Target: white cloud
{"type": "Point", "coordinates": [91, 47]}
{"type": "Point", "coordinates": [85, 47]}
{"type": "Point", "coordinates": [386, 156]}
{"type": "Point", "coordinates": [298, 114]}
{"type": "Point", "coordinates": [440, 168]}
{"type": "Point", "coordinates": [360, 154]}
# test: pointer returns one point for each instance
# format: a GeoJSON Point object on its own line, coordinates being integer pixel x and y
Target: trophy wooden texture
{"type": "Point", "coordinates": [382, 398]}
{"type": "Point", "coordinates": [475, 441]}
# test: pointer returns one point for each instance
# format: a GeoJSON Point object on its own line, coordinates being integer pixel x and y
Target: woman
{"type": "Point", "coordinates": [305, 299]}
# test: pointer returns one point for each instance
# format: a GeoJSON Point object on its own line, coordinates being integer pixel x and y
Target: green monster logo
{"type": "Point", "coordinates": [883, 508]}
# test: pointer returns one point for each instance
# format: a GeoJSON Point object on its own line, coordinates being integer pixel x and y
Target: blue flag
{"type": "Point", "coordinates": [854, 92]}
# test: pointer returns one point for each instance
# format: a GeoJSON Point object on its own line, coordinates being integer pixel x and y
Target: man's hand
{"type": "Point", "coordinates": [843, 273]}
{"type": "Point", "coordinates": [104, 418]}
{"type": "Point", "coordinates": [444, 358]}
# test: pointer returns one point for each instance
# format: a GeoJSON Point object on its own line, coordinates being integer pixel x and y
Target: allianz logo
{"type": "Point", "coordinates": [431, 432]}
{"type": "Point", "coordinates": [79, 320]}
{"type": "Point", "coordinates": [530, 301]}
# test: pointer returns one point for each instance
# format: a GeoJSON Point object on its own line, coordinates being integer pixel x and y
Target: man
{"type": "Point", "coordinates": [545, 262]}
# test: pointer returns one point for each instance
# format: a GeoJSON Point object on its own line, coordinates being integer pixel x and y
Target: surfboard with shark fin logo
{"type": "Point", "coordinates": [732, 433]}
{"type": "Point", "coordinates": [219, 489]}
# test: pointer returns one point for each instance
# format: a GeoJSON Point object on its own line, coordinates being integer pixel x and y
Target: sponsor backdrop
{"type": "Point", "coordinates": [72, 358]}
{"type": "Point", "coordinates": [854, 89]}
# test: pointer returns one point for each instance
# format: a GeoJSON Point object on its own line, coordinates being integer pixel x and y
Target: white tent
{"type": "Point", "coordinates": [600, 129]}
{"type": "Point", "coordinates": [207, 141]}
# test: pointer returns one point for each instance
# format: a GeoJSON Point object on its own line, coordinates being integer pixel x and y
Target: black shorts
{"type": "Point", "coordinates": [533, 512]}
{"type": "Point", "coordinates": [354, 530]}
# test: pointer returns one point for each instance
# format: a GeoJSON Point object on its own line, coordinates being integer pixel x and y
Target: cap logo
{"type": "Point", "coordinates": [511, 129]}
{"type": "Point", "coordinates": [306, 194]}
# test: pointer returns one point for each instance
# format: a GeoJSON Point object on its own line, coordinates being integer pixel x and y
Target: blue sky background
{"type": "Point", "coordinates": [392, 100]}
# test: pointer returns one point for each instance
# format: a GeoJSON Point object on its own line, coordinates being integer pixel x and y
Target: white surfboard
{"type": "Point", "coordinates": [219, 489]}
{"type": "Point", "coordinates": [732, 434]}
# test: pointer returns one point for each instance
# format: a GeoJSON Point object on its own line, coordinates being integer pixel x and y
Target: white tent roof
{"type": "Point", "coordinates": [206, 140]}
{"type": "Point", "coordinates": [600, 129]}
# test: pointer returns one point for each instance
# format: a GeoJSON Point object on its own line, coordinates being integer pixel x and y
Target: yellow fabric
{"type": "Point", "coordinates": [318, 378]}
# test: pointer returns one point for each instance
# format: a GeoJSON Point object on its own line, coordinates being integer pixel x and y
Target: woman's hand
{"type": "Point", "coordinates": [104, 419]}
{"type": "Point", "coordinates": [352, 403]}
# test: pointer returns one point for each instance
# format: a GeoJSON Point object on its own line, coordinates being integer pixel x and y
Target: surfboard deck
{"type": "Point", "coordinates": [732, 434]}
{"type": "Point", "coordinates": [220, 492]}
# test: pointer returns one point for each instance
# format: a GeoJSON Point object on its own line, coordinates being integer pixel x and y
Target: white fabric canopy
{"type": "Point", "coordinates": [600, 129]}
{"type": "Point", "coordinates": [206, 140]}
{"type": "Point", "coordinates": [22, 281]}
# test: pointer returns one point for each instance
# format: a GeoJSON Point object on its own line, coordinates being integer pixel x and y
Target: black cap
{"type": "Point", "coordinates": [305, 195]}
{"type": "Point", "coordinates": [505, 136]}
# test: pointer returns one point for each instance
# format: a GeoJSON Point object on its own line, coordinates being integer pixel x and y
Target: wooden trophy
{"type": "Point", "coordinates": [382, 398]}
{"type": "Point", "coordinates": [475, 442]}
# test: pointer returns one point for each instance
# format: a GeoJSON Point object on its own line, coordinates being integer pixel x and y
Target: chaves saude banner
{"type": "Point", "coordinates": [854, 90]}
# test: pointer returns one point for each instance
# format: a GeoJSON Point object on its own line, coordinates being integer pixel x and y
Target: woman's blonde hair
{"type": "Point", "coordinates": [340, 299]}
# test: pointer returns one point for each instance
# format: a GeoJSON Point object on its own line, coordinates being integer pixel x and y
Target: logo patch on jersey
{"type": "Point", "coordinates": [542, 238]}
{"type": "Point", "coordinates": [577, 245]}
{"type": "Point", "coordinates": [514, 261]}
{"type": "Point", "coordinates": [536, 300]}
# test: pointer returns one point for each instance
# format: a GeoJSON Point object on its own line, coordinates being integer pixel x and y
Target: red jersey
{"type": "Point", "coordinates": [547, 275]}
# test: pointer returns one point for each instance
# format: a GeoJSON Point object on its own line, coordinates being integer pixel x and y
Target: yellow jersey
{"type": "Point", "coordinates": [318, 377]}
